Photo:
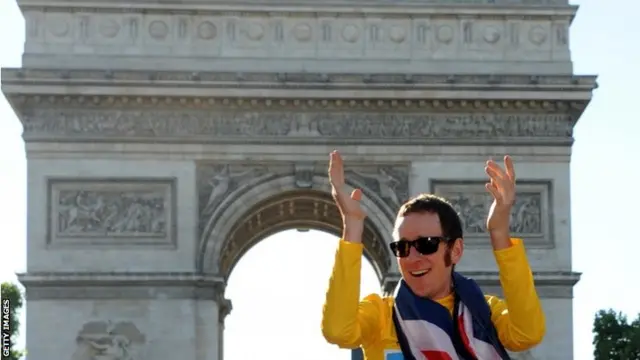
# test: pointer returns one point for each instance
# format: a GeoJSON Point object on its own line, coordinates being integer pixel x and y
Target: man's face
{"type": "Point", "coordinates": [427, 275]}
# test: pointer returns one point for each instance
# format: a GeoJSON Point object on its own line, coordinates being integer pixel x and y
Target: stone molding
{"type": "Point", "coordinates": [37, 279]}
{"type": "Point", "coordinates": [117, 286]}
{"type": "Point", "coordinates": [377, 6]}
{"type": "Point", "coordinates": [17, 81]}
{"type": "Point", "coordinates": [123, 285]}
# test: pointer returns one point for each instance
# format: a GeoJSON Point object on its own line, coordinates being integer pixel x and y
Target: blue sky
{"type": "Point", "coordinates": [605, 40]}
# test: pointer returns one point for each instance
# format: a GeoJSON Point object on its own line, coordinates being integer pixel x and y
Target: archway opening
{"type": "Point", "coordinates": [294, 209]}
{"type": "Point", "coordinates": [278, 288]}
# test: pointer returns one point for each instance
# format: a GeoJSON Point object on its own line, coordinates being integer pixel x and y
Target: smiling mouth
{"type": "Point", "coordinates": [419, 273]}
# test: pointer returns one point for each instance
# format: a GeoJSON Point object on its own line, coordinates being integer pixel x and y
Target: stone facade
{"type": "Point", "coordinates": [166, 139]}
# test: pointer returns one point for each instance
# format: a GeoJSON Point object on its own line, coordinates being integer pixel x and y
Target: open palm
{"type": "Point", "coordinates": [348, 204]}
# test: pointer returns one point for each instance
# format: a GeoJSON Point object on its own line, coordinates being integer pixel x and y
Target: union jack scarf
{"type": "Point", "coordinates": [426, 330]}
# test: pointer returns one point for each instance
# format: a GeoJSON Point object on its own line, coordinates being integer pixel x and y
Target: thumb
{"type": "Point", "coordinates": [356, 194]}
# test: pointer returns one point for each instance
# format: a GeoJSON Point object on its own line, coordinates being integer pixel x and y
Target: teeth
{"type": "Point", "coordinates": [418, 273]}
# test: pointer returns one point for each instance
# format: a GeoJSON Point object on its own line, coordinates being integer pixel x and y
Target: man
{"type": "Point", "coordinates": [436, 313]}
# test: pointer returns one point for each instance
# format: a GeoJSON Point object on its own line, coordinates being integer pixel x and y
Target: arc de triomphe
{"type": "Point", "coordinates": [164, 139]}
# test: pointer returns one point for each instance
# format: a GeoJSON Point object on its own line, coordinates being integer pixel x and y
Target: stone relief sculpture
{"type": "Point", "coordinates": [106, 340]}
{"type": "Point", "coordinates": [472, 209]}
{"type": "Point", "coordinates": [526, 217]}
{"type": "Point", "coordinates": [386, 184]}
{"type": "Point", "coordinates": [220, 184]}
{"type": "Point", "coordinates": [106, 213]}
{"type": "Point", "coordinates": [280, 125]}
{"type": "Point", "coordinates": [390, 183]}
{"type": "Point", "coordinates": [116, 349]}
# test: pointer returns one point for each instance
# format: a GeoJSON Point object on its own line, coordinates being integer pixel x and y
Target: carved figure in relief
{"type": "Point", "coordinates": [278, 125]}
{"type": "Point", "coordinates": [116, 349]}
{"type": "Point", "coordinates": [526, 216]}
{"type": "Point", "coordinates": [108, 341]}
{"type": "Point", "coordinates": [434, 307]}
{"type": "Point", "coordinates": [110, 212]}
{"type": "Point", "coordinates": [220, 184]}
{"type": "Point", "coordinates": [386, 184]}
{"type": "Point", "coordinates": [303, 126]}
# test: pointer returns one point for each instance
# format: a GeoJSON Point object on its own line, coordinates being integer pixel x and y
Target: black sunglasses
{"type": "Point", "coordinates": [425, 245]}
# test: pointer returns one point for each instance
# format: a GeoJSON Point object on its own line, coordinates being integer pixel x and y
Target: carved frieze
{"type": "Point", "coordinates": [246, 126]}
{"type": "Point", "coordinates": [111, 212]}
{"type": "Point", "coordinates": [531, 215]}
{"type": "Point", "coordinates": [109, 340]}
{"type": "Point", "coordinates": [310, 35]}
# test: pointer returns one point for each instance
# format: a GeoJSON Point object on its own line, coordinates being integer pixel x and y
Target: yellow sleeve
{"type": "Point", "coordinates": [521, 323]}
{"type": "Point", "coordinates": [347, 321]}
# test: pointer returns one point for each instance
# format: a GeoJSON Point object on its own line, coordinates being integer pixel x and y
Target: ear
{"type": "Point", "coordinates": [457, 250]}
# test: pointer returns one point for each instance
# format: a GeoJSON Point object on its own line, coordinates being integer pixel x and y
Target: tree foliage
{"type": "Point", "coordinates": [12, 293]}
{"type": "Point", "coordinates": [615, 337]}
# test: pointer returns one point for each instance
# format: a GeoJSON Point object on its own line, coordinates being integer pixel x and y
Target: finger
{"type": "Point", "coordinates": [356, 195]}
{"type": "Point", "coordinates": [496, 168]}
{"type": "Point", "coordinates": [336, 169]}
{"type": "Point", "coordinates": [508, 165]}
{"type": "Point", "coordinates": [493, 190]}
{"type": "Point", "coordinates": [495, 174]}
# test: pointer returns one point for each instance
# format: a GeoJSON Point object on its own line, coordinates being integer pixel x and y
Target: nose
{"type": "Point", "coordinates": [414, 254]}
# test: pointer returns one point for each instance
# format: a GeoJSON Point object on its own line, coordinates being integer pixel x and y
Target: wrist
{"type": "Point", "coordinates": [500, 238]}
{"type": "Point", "coordinates": [352, 230]}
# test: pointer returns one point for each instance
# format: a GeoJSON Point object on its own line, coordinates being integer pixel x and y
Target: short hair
{"type": "Point", "coordinates": [430, 203]}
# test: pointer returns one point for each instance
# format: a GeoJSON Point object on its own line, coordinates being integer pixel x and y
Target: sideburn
{"type": "Point", "coordinates": [447, 255]}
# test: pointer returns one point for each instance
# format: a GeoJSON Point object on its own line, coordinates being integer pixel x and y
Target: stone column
{"type": "Point", "coordinates": [224, 309]}
{"type": "Point", "coordinates": [212, 309]}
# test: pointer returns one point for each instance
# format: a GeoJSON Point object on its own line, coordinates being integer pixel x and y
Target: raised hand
{"type": "Point", "coordinates": [502, 186]}
{"type": "Point", "coordinates": [348, 204]}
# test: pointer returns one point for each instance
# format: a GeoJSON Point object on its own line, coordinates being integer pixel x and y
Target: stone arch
{"type": "Point", "coordinates": [276, 205]}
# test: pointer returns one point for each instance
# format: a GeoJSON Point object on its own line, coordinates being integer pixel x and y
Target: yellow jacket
{"type": "Point", "coordinates": [351, 323]}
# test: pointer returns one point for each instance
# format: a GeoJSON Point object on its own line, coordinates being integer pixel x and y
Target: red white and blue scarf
{"type": "Point", "coordinates": [426, 330]}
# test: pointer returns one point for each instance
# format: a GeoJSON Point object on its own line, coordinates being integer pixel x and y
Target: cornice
{"type": "Point", "coordinates": [535, 8]}
{"type": "Point", "coordinates": [138, 86]}
{"type": "Point", "coordinates": [14, 77]}
{"type": "Point", "coordinates": [149, 286]}
{"type": "Point", "coordinates": [176, 103]}
{"type": "Point", "coordinates": [176, 278]}
{"type": "Point", "coordinates": [159, 279]}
